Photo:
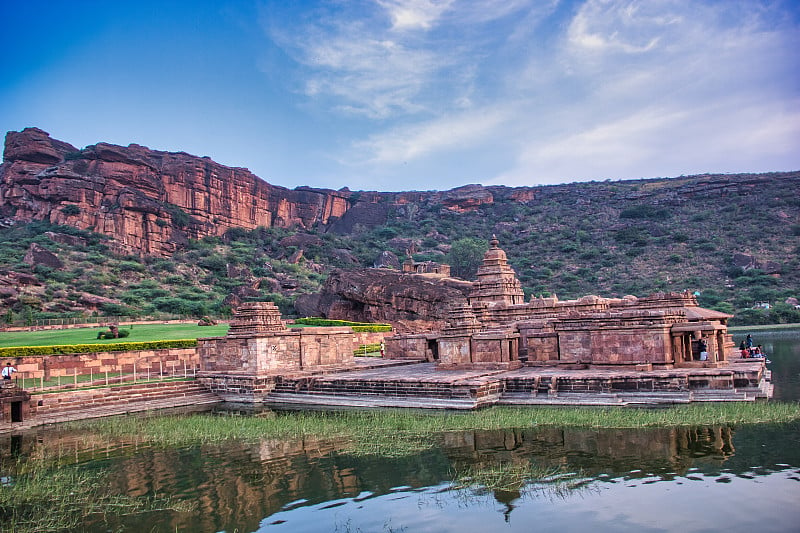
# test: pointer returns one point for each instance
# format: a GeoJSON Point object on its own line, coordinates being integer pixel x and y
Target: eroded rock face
{"type": "Point", "coordinates": [407, 301]}
{"type": "Point", "coordinates": [149, 201]}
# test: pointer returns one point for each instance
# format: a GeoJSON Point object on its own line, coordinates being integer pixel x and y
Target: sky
{"type": "Point", "coordinates": [397, 95]}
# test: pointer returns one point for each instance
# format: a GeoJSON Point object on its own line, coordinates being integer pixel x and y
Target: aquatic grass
{"type": "Point", "coordinates": [38, 495]}
{"type": "Point", "coordinates": [510, 477]}
{"type": "Point", "coordinates": [503, 476]}
{"type": "Point", "coordinates": [394, 430]}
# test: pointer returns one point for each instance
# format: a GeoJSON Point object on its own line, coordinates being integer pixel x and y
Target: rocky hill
{"type": "Point", "coordinates": [151, 202]}
{"type": "Point", "coordinates": [130, 230]}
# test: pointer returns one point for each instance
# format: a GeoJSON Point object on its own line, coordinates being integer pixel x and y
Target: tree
{"type": "Point", "coordinates": [465, 257]}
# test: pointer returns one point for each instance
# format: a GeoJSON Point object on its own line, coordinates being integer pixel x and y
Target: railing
{"type": "Point", "coordinates": [124, 374]}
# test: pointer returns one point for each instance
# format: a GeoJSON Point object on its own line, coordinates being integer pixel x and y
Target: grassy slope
{"type": "Point", "coordinates": [139, 333]}
{"type": "Point", "coordinates": [610, 239]}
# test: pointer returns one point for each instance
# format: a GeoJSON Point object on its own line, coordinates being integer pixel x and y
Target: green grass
{"type": "Point", "coordinates": [138, 333]}
{"type": "Point", "coordinates": [40, 496]}
{"type": "Point", "coordinates": [413, 429]}
{"type": "Point", "coordinates": [742, 329]}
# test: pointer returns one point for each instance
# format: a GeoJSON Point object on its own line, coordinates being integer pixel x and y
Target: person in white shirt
{"type": "Point", "coordinates": [8, 371]}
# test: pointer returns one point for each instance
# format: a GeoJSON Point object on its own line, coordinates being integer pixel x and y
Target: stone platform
{"type": "Point", "coordinates": [413, 384]}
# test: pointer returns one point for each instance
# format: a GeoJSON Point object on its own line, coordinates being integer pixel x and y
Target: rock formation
{"type": "Point", "coordinates": [38, 255]}
{"type": "Point", "coordinates": [410, 302]}
{"type": "Point", "coordinates": [151, 201]}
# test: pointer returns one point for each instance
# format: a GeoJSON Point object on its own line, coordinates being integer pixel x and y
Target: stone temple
{"type": "Point", "coordinates": [498, 329]}
{"type": "Point", "coordinates": [495, 349]}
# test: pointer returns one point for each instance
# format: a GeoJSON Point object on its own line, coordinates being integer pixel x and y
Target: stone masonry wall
{"type": "Point", "coordinates": [325, 346]}
{"type": "Point", "coordinates": [408, 347]}
{"type": "Point", "coordinates": [633, 345]}
{"type": "Point", "coordinates": [269, 352]}
{"type": "Point", "coordinates": [169, 360]}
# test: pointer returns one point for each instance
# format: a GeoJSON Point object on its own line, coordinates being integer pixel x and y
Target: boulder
{"type": "Point", "coordinates": [388, 259]}
{"type": "Point", "coordinates": [63, 238]}
{"type": "Point", "coordinates": [37, 255]}
{"type": "Point", "coordinates": [407, 301]}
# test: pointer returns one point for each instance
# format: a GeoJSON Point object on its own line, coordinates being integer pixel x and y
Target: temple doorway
{"type": "Point", "coordinates": [433, 348]}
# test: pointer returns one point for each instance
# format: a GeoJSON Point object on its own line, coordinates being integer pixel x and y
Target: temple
{"type": "Point", "coordinates": [496, 328]}
{"type": "Point", "coordinates": [495, 349]}
{"type": "Point", "coordinates": [425, 267]}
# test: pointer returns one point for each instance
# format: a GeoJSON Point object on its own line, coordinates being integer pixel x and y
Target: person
{"type": "Point", "coordinates": [745, 352]}
{"type": "Point", "coordinates": [383, 348]}
{"type": "Point", "coordinates": [8, 371]}
{"type": "Point", "coordinates": [749, 341]}
{"type": "Point", "coordinates": [742, 347]}
{"type": "Point", "coordinates": [703, 350]}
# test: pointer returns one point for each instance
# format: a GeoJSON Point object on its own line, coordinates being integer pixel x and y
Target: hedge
{"type": "Point", "coordinates": [59, 349]}
{"type": "Point", "coordinates": [367, 348]}
{"type": "Point", "coordinates": [362, 327]}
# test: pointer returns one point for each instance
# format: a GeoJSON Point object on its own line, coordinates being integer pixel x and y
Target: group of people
{"type": "Point", "coordinates": [748, 350]}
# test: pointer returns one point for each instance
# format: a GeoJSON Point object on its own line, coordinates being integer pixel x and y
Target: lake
{"type": "Point", "coordinates": [716, 478]}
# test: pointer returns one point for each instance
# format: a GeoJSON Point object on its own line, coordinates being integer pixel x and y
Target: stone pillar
{"type": "Point", "coordinates": [721, 345]}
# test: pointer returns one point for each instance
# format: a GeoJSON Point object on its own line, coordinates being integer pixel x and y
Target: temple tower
{"type": "Point", "coordinates": [497, 282]}
{"type": "Point", "coordinates": [256, 317]}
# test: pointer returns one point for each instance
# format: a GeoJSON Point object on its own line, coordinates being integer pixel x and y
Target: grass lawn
{"type": "Point", "coordinates": [138, 333]}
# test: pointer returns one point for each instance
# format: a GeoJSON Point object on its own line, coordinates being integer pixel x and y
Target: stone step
{"type": "Point", "coordinates": [120, 408]}
{"type": "Point", "coordinates": [711, 395]}
{"type": "Point", "coordinates": [595, 398]}
{"type": "Point", "coordinates": [134, 397]}
{"type": "Point", "coordinates": [355, 400]}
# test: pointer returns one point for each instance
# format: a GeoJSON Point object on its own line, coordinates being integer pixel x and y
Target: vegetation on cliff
{"type": "Point", "coordinates": [733, 239]}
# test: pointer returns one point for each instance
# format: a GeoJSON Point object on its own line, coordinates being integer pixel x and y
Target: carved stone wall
{"type": "Point", "coordinates": [259, 343]}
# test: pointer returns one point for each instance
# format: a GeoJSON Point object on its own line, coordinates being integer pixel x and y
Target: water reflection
{"type": "Point", "coordinates": [732, 478]}
{"type": "Point", "coordinates": [783, 349]}
{"type": "Point", "coordinates": [276, 483]}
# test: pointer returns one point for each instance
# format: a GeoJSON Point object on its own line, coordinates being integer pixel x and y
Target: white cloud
{"type": "Point", "coordinates": [630, 27]}
{"type": "Point", "coordinates": [603, 88]}
{"type": "Point", "coordinates": [660, 89]}
{"type": "Point", "coordinates": [396, 57]}
{"type": "Point", "coordinates": [414, 14]}
{"type": "Point", "coordinates": [407, 143]}
{"type": "Point", "coordinates": [375, 77]}
{"type": "Point", "coordinates": [727, 137]}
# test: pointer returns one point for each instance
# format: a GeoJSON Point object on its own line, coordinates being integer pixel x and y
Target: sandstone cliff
{"type": "Point", "coordinates": [151, 201]}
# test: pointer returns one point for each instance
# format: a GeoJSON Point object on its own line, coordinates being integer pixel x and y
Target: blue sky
{"type": "Point", "coordinates": [416, 94]}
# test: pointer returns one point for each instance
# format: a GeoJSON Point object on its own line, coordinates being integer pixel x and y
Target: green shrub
{"type": "Point", "coordinates": [360, 327]}
{"type": "Point", "coordinates": [25, 351]}
{"type": "Point", "coordinates": [130, 266]}
{"type": "Point", "coordinates": [649, 212]}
